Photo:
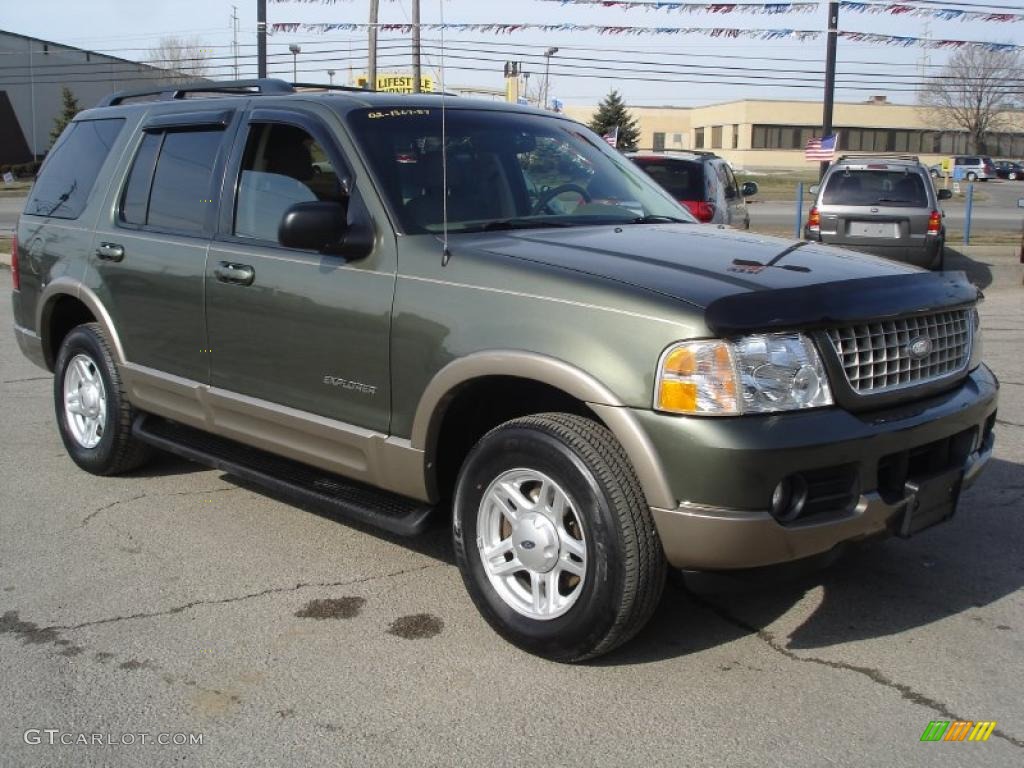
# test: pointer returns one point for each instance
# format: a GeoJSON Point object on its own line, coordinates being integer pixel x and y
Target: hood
{"type": "Point", "coordinates": [704, 265]}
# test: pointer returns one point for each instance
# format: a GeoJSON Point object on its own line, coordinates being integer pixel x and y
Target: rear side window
{"type": "Point", "coordinates": [682, 179]}
{"type": "Point", "coordinates": [171, 181]}
{"type": "Point", "coordinates": [71, 168]}
{"type": "Point", "coordinates": [890, 188]}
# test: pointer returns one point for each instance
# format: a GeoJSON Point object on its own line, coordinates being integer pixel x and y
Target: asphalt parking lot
{"type": "Point", "coordinates": [179, 601]}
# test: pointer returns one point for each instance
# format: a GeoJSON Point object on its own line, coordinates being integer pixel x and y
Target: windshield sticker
{"type": "Point", "coordinates": [397, 113]}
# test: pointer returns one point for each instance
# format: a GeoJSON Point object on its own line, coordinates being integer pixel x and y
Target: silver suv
{"type": "Point", "coordinates": [703, 182]}
{"type": "Point", "coordinates": [886, 205]}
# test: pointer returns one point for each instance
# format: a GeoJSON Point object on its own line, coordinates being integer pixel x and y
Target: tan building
{"type": "Point", "coordinates": [764, 133]}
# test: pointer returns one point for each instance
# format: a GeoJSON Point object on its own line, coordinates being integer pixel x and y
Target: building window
{"type": "Point", "coordinates": [735, 137]}
{"type": "Point", "coordinates": [677, 138]}
{"type": "Point", "coordinates": [698, 138]}
{"type": "Point", "coordinates": [659, 142]}
{"type": "Point", "coordinates": [716, 137]}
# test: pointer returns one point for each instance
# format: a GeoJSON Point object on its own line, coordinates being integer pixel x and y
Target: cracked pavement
{"type": "Point", "coordinates": [179, 599]}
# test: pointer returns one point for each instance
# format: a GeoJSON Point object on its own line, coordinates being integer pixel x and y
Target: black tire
{"type": "Point", "coordinates": [622, 583]}
{"type": "Point", "coordinates": [972, 176]}
{"type": "Point", "coordinates": [934, 174]}
{"type": "Point", "coordinates": [117, 450]}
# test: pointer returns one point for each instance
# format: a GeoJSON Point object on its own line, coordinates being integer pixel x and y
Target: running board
{"type": "Point", "coordinates": [299, 482]}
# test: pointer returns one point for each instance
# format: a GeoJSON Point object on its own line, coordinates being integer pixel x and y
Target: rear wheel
{"type": "Point", "coordinates": [554, 539]}
{"type": "Point", "coordinates": [972, 176]}
{"type": "Point", "coordinates": [93, 414]}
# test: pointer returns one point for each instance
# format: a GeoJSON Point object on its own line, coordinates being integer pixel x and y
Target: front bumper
{"type": "Point", "coordinates": [723, 471]}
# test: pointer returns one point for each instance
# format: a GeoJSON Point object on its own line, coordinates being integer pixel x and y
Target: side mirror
{"type": "Point", "coordinates": [323, 226]}
{"type": "Point", "coordinates": [945, 194]}
{"type": "Point", "coordinates": [814, 189]}
{"type": "Point", "coordinates": [749, 188]}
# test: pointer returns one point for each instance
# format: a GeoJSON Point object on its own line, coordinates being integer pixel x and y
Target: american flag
{"type": "Point", "coordinates": [612, 137]}
{"type": "Point", "coordinates": [820, 148]}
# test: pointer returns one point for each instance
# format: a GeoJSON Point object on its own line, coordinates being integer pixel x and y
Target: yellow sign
{"type": "Point", "coordinates": [947, 165]}
{"type": "Point", "coordinates": [395, 82]}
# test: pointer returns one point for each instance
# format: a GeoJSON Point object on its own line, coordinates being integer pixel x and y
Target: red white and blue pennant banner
{"type": "Point", "coordinates": [911, 9]}
{"type": "Point", "coordinates": [727, 32]}
{"type": "Point", "coordinates": [929, 11]}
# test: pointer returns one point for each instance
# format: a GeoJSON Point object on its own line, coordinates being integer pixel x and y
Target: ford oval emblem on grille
{"type": "Point", "coordinates": [528, 544]}
{"type": "Point", "coordinates": [919, 348]}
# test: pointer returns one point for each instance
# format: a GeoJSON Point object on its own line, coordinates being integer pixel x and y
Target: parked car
{"type": "Point", "coordinates": [518, 333]}
{"type": "Point", "coordinates": [886, 205]}
{"type": "Point", "coordinates": [703, 182]}
{"type": "Point", "coordinates": [975, 168]}
{"type": "Point", "coordinates": [1008, 169]}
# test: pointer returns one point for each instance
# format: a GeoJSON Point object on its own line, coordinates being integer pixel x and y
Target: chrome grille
{"type": "Point", "coordinates": [877, 356]}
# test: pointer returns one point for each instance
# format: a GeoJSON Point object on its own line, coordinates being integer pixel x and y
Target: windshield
{"type": "Point", "coordinates": [504, 170]}
{"type": "Point", "coordinates": [875, 188]}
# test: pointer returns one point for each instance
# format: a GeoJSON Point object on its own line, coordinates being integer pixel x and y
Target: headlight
{"type": "Point", "coordinates": [763, 373]}
{"type": "Point", "coordinates": [976, 343]}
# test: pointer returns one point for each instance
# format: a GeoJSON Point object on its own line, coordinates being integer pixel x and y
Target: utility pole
{"type": "Point", "coordinates": [261, 38]}
{"type": "Point", "coordinates": [330, 74]}
{"type": "Point", "coordinates": [371, 62]}
{"type": "Point", "coordinates": [830, 76]}
{"type": "Point", "coordinates": [234, 36]}
{"type": "Point", "coordinates": [547, 72]}
{"type": "Point", "coordinates": [416, 46]}
{"type": "Point", "coordinates": [295, 50]}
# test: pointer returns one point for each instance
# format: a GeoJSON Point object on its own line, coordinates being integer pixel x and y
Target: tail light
{"type": "Point", "coordinates": [934, 223]}
{"type": "Point", "coordinates": [704, 211]}
{"type": "Point", "coordinates": [15, 267]}
{"type": "Point", "coordinates": [814, 220]}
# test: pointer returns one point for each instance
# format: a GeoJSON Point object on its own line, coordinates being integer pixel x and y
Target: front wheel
{"type": "Point", "coordinates": [93, 414]}
{"type": "Point", "coordinates": [972, 176]}
{"type": "Point", "coordinates": [554, 539]}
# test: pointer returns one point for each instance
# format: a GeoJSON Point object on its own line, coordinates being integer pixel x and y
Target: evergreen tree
{"type": "Point", "coordinates": [69, 108]}
{"type": "Point", "coordinates": [612, 112]}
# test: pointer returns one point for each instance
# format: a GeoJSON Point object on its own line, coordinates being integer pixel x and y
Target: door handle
{"type": "Point", "coordinates": [239, 274]}
{"type": "Point", "coordinates": [110, 252]}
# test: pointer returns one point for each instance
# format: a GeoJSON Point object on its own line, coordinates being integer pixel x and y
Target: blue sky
{"type": "Point", "coordinates": [130, 28]}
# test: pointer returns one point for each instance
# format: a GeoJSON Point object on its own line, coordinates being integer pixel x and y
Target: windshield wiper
{"type": "Point", "coordinates": [653, 218]}
{"type": "Point", "coordinates": [892, 200]}
{"type": "Point", "coordinates": [497, 224]}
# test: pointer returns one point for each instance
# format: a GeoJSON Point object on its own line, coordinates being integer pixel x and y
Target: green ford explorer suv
{"type": "Point", "coordinates": [405, 307]}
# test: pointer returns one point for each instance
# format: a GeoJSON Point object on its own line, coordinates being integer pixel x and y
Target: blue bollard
{"type": "Point", "coordinates": [967, 213]}
{"type": "Point", "coordinates": [798, 231]}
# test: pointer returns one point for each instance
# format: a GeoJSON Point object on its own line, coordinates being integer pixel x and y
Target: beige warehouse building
{"type": "Point", "coordinates": [765, 133]}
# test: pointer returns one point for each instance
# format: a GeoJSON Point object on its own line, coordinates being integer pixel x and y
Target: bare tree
{"type": "Point", "coordinates": [183, 58]}
{"type": "Point", "coordinates": [976, 91]}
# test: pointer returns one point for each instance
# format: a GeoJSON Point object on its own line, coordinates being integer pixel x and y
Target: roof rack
{"type": "Point", "coordinates": [879, 155]}
{"type": "Point", "coordinates": [322, 87]}
{"type": "Point", "coordinates": [262, 87]}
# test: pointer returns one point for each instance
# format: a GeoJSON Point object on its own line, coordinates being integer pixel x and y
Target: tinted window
{"type": "Point", "coordinates": [682, 179]}
{"type": "Point", "coordinates": [891, 188]}
{"type": "Point", "coordinates": [282, 165]}
{"type": "Point", "coordinates": [71, 168]}
{"type": "Point", "coordinates": [135, 202]}
{"type": "Point", "coordinates": [181, 192]}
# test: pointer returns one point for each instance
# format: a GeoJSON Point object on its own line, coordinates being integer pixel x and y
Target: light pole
{"type": "Point", "coordinates": [296, 50]}
{"type": "Point", "coordinates": [547, 72]}
{"type": "Point", "coordinates": [330, 74]}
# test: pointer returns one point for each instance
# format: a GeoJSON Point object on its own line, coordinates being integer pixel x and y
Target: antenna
{"type": "Point", "coordinates": [445, 253]}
